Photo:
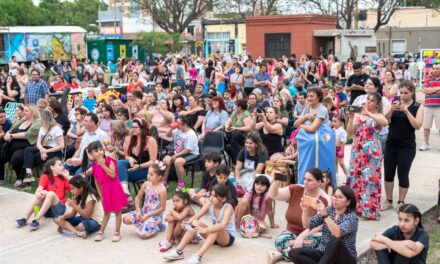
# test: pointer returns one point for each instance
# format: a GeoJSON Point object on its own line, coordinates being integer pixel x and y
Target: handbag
{"type": "Point", "coordinates": [273, 168]}
{"type": "Point", "coordinates": [45, 140]}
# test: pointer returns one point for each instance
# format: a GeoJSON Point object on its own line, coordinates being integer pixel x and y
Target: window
{"type": "Point", "coordinates": [398, 46]}
{"type": "Point", "coordinates": [277, 44]}
{"type": "Point", "coordinates": [218, 35]}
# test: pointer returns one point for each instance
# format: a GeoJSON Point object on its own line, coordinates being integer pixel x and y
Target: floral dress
{"type": "Point", "coordinates": [365, 168]}
{"type": "Point", "coordinates": [152, 225]}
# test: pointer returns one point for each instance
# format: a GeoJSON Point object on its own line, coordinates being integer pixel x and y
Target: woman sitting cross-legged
{"type": "Point", "coordinates": [339, 227]}
{"type": "Point", "coordinates": [405, 243]}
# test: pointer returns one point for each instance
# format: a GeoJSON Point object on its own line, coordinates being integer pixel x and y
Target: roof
{"type": "Point", "coordinates": [43, 29]}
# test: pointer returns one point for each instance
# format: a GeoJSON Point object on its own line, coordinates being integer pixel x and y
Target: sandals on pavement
{"type": "Point", "coordinates": [116, 237]}
{"type": "Point", "coordinates": [99, 237]}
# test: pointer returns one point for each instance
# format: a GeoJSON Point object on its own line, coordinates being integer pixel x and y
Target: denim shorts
{"type": "Point", "coordinates": [230, 243]}
{"type": "Point", "coordinates": [56, 210]}
{"type": "Point", "coordinates": [89, 224]}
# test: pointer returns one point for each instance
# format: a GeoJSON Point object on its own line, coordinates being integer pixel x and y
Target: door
{"type": "Point", "coordinates": [276, 44]}
{"type": "Point", "coordinates": [110, 52]}
{"type": "Point", "coordinates": [122, 50]}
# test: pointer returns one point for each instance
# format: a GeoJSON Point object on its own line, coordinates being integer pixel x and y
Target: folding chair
{"type": "Point", "coordinates": [215, 142]}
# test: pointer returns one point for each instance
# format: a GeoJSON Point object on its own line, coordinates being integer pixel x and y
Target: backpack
{"type": "Point", "coordinates": [249, 227]}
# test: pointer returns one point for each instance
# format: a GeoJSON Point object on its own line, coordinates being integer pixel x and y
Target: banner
{"type": "Point", "coordinates": [428, 58]}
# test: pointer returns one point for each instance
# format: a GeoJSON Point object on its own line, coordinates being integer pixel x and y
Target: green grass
{"type": "Point", "coordinates": [434, 246]}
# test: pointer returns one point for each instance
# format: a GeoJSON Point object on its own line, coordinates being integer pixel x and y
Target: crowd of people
{"type": "Point", "coordinates": [267, 111]}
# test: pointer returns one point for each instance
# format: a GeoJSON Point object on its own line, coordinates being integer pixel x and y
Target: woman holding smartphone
{"type": "Point", "coordinates": [405, 116]}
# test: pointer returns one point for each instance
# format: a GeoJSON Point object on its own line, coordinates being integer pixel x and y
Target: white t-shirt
{"type": "Point", "coordinates": [50, 138]}
{"type": "Point", "coordinates": [186, 140]}
{"type": "Point", "coordinates": [341, 135]}
{"type": "Point", "coordinates": [98, 211]}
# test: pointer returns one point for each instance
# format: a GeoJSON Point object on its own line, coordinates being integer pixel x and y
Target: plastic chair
{"type": "Point", "coordinates": [90, 104]}
{"type": "Point", "coordinates": [10, 109]}
{"type": "Point", "coordinates": [215, 142]}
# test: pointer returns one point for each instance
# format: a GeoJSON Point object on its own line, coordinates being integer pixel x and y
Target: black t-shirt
{"type": "Point", "coordinates": [194, 118]}
{"type": "Point", "coordinates": [356, 80]}
{"type": "Point", "coordinates": [419, 235]}
{"type": "Point", "coordinates": [208, 72]}
{"type": "Point", "coordinates": [64, 122]}
{"type": "Point", "coordinates": [401, 133]}
{"type": "Point", "coordinates": [14, 87]}
{"type": "Point", "coordinates": [232, 191]}
{"type": "Point", "coordinates": [207, 181]}
{"type": "Point", "coordinates": [251, 162]}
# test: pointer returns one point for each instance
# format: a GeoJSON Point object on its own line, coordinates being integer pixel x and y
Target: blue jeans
{"type": "Point", "coordinates": [74, 170]}
{"type": "Point", "coordinates": [130, 176]}
{"type": "Point", "coordinates": [89, 224]}
{"type": "Point", "coordinates": [56, 210]}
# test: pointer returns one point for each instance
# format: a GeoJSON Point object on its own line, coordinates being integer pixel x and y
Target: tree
{"type": "Point", "coordinates": [174, 16]}
{"type": "Point", "coordinates": [160, 42]}
{"type": "Point", "coordinates": [20, 13]}
{"type": "Point", "coordinates": [249, 7]}
{"type": "Point", "coordinates": [346, 10]}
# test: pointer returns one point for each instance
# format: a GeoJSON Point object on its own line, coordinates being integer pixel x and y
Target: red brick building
{"type": "Point", "coordinates": [273, 36]}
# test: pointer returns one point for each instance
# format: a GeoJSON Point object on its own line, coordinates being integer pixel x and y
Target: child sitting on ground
{"type": "Point", "coordinates": [50, 196]}
{"type": "Point", "coordinates": [180, 212]}
{"type": "Point", "coordinates": [222, 176]}
{"type": "Point", "coordinates": [220, 232]}
{"type": "Point", "coordinates": [327, 183]}
{"type": "Point", "coordinates": [149, 218]}
{"type": "Point", "coordinates": [87, 204]}
{"type": "Point", "coordinates": [199, 196]}
{"type": "Point", "coordinates": [258, 203]}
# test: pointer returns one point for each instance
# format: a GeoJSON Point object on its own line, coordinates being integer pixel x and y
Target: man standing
{"type": "Point", "coordinates": [93, 133]}
{"type": "Point", "coordinates": [262, 79]}
{"type": "Point", "coordinates": [35, 89]}
{"type": "Point", "coordinates": [356, 82]}
{"type": "Point", "coordinates": [180, 74]}
{"type": "Point", "coordinates": [248, 76]}
{"type": "Point", "coordinates": [431, 89]}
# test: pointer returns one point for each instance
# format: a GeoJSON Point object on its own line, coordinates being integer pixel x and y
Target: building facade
{"type": "Point", "coordinates": [274, 36]}
{"type": "Point", "coordinates": [226, 37]}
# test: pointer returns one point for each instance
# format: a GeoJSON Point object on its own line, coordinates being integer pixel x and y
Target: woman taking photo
{"type": "Point", "coordinates": [118, 133]}
{"type": "Point", "coordinates": [238, 124]}
{"type": "Point", "coordinates": [271, 132]}
{"type": "Point", "coordinates": [23, 134]}
{"type": "Point", "coordinates": [295, 235]}
{"type": "Point", "coordinates": [404, 243]}
{"type": "Point", "coordinates": [339, 228]}
{"type": "Point", "coordinates": [162, 118]}
{"type": "Point", "coordinates": [405, 116]}
{"type": "Point", "coordinates": [50, 144]}
{"type": "Point", "coordinates": [141, 152]}
{"type": "Point", "coordinates": [195, 113]}
{"type": "Point", "coordinates": [215, 118]}
{"type": "Point", "coordinates": [252, 157]}
{"type": "Point", "coordinates": [366, 157]}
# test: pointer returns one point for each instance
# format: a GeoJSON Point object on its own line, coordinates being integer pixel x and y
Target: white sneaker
{"type": "Point", "coordinates": [195, 259]}
{"type": "Point", "coordinates": [424, 147]}
{"type": "Point", "coordinates": [174, 256]}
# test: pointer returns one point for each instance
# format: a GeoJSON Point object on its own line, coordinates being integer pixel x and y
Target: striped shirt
{"type": "Point", "coordinates": [432, 100]}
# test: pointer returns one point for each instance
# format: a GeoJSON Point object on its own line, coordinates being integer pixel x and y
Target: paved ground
{"type": "Point", "coordinates": [47, 246]}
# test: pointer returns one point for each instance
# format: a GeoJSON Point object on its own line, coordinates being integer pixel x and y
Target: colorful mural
{"type": "Point", "coordinates": [15, 44]}
{"type": "Point", "coordinates": [79, 45]}
{"type": "Point", "coordinates": [61, 46]}
{"type": "Point", "coordinates": [38, 46]}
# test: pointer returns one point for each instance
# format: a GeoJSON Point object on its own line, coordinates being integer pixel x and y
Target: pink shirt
{"type": "Point", "coordinates": [256, 211]}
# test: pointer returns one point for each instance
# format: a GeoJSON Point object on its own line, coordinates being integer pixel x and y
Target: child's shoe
{"type": "Point", "coordinates": [82, 234]}
{"type": "Point", "coordinates": [175, 255]}
{"type": "Point", "coordinates": [99, 237]}
{"type": "Point", "coordinates": [34, 225]}
{"type": "Point", "coordinates": [180, 186]}
{"type": "Point", "coordinates": [21, 222]}
{"type": "Point", "coordinates": [195, 259]}
{"type": "Point", "coordinates": [116, 237]}
{"type": "Point", "coordinates": [165, 245]}
{"type": "Point", "coordinates": [28, 178]}
{"type": "Point", "coordinates": [196, 239]}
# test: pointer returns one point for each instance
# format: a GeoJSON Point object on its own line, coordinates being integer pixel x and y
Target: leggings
{"type": "Point", "coordinates": [236, 139]}
{"type": "Point", "coordinates": [335, 253]}
{"type": "Point", "coordinates": [32, 157]}
{"type": "Point", "coordinates": [385, 257]}
{"type": "Point", "coordinates": [400, 159]}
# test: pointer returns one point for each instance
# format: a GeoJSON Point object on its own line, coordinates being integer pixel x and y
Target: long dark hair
{"type": "Point", "coordinates": [51, 162]}
{"type": "Point", "coordinates": [412, 210]}
{"type": "Point", "coordinates": [255, 137]}
{"type": "Point", "coordinates": [145, 133]}
{"type": "Point", "coordinates": [109, 108]}
{"type": "Point", "coordinates": [410, 86]}
{"type": "Point", "coordinates": [222, 191]}
{"type": "Point", "coordinates": [79, 181]}
{"type": "Point", "coordinates": [263, 180]}
{"type": "Point", "coordinates": [349, 194]}
{"type": "Point", "coordinates": [182, 104]}
{"type": "Point", "coordinates": [376, 82]}
{"type": "Point", "coordinates": [95, 145]}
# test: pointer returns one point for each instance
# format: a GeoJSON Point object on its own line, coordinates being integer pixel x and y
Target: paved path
{"type": "Point", "coordinates": [47, 246]}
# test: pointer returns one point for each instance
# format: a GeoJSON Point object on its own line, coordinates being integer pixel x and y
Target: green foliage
{"type": "Point", "coordinates": [160, 42]}
{"type": "Point", "coordinates": [50, 12]}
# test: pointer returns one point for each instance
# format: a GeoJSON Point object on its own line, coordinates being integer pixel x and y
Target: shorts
{"type": "Point", "coordinates": [56, 210]}
{"type": "Point", "coordinates": [339, 152]}
{"type": "Point", "coordinates": [89, 224]}
{"type": "Point", "coordinates": [431, 114]}
{"type": "Point", "coordinates": [230, 243]}
{"type": "Point", "coordinates": [190, 157]}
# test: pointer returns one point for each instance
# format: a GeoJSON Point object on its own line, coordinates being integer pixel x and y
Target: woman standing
{"type": "Point", "coordinates": [405, 116]}
{"type": "Point", "coordinates": [339, 228]}
{"type": "Point", "coordinates": [236, 81]}
{"type": "Point", "coordinates": [50, 144]}
{"type": "Point", "coordinates": [366, 157]}
{"type": "Point", "coordinates": [390, 86]}
{"type": "Point", "coordinates": [22, 80]}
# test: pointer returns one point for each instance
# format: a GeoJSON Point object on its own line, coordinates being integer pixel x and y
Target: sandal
{"type": "Point", "coordinates": [273, 257]}
{"type": "Point", "coordinates": [99, 237]}
{"type": "Point", "coordinates": [82, 234]}
{"type": "Point", "coordinates": [116, 237]}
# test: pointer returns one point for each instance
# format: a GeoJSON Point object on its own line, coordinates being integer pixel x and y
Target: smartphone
{"type": "Point", "coordinates": [354, 109]}
{"type": "Point", "coordinates": [396, 100]}
{"type": "Point", "coordinates": [280, 177]}
{"type": "Point", "coordinates": [309, 201]}
{"type": "Point", "coordinates": [189, 226]}
{"type": "Point", "coordinates": [259, 110]}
